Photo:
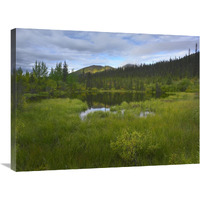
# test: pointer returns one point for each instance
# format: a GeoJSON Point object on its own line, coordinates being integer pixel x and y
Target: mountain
{"type": "Point", "coordinates": [93, 69]}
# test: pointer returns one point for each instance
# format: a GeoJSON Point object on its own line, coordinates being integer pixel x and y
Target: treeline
{"type": "Point", "coordinates": [166, 76]}
{"type": "Point", "coordinates": [39, 83]}
{"type": "Point", "coordinates": [173, 75]}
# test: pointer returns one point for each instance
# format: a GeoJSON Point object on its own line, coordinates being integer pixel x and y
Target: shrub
{"type": "Point", "coordinates": [183, 84]}
{"type": "Point", "coordinates": [124, 105]}
{"type": "Point", "coordinates": [137, 148]}
{"type": "Point", "coordinates": [128, 145]}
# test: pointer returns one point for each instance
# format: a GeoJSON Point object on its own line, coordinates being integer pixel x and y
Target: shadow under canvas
{"type": "Point", "coordinates": [6, 164]}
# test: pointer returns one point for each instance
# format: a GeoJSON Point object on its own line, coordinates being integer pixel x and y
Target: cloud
{"type": "Point", "coordinates": [82, 49]}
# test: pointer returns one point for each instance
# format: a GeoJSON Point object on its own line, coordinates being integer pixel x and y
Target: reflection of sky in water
{"type": "Point", "coordinates": [91, 110]}
{"type": "Point", "coordinates": [144, 114]}
{"type": "Point", "coordinates": [85, 113]}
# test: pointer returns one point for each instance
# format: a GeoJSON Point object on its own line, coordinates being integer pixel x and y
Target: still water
{"type": "Point", "coordinates": [91, 110]}
{"type": "Point", "coordinates": [103, 101]}
{"type": "Point", "coordinates": [107, 99]}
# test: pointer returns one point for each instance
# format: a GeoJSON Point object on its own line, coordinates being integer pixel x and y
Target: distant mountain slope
{"type": "Point", "coordinates": [93, 69]}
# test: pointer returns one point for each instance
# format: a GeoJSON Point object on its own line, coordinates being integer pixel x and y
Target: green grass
{"type": "Point", "coordinates": [51, 135]}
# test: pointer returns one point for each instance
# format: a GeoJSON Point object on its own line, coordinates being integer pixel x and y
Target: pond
{"type": "Point", "coordinates": [103, 100]}
{"type": "Point", "coordinates": [100, 99]}
{"type": "Point", "coordinates": [84, 114]}
{"type": "Point", "coordinates": [90, 110]}
{"type": "Point", "coordinates": [107, 99]}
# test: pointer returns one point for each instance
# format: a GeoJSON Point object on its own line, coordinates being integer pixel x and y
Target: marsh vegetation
{"type": "Point", "coordinates": [150, 116]}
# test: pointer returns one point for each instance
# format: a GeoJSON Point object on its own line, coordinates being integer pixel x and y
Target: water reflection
{"type": "Point", "coordinates": [107, 99]}
{"type": "Point", "coordinates": [90, 110]}
{"type": "Point", "coordinates": [102, 99]}
{"type": "Point", "coordinates": [84, 114]}
{"type": "Point", "coordinates": [145, 113]}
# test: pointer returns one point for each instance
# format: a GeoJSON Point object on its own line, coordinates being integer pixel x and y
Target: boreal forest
{"type": "Point", "coordinates": [174, 75]}
{"type": "Point", "coordinates": [106, 116]}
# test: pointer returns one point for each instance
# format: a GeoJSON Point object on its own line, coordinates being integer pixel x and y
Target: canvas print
{"type": "Point", "coordinates": [98, 99]}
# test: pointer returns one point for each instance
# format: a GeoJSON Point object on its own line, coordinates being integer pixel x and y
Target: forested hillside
{"type": "Point", "coordinates": [93, 69]}
{"type": "Point", "coordinates": [138, 77]}
{"type": "Point", "coordinates": [175, 75]}
{"type": "Point", "coordinates": [135, 115]}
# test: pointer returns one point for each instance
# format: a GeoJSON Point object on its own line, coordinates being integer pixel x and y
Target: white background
{"type": "Point", "coordinates": [161, 17]}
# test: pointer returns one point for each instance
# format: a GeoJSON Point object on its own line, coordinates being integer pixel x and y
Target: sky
{"type": "Point", "coordinates": [81, 48]}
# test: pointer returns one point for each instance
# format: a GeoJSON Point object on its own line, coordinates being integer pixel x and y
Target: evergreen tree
{"type": "Point", "coordinates": [65, 71]}
{"type": "Point", "coordinates": [196, 48]}
{"type": "Point", "coordinates": [40, 69]}
{"type": "Point", "coordinates": [58, 72]}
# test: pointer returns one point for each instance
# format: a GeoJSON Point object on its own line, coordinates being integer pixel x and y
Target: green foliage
{"type": "Point", "coordinates": [136, 148]}
{"type": "Point", "coordinates": [156, 79]}
{"type": "Point", "coordinates": [51, 135]}
{"type": "Point", "coordinates": [163, 75]}
{"type": "Point", "coordinates": [58, 72]}
{"type": "Point", "coordinates": [40, 70]}
{"type": "Point", "coordinates": [93, 69]}
{"type": "Point", "coordinates": [176, 158]}
{"type": "Point", "coordinates": [37, 85]}
{"type": "Point", "coordinates": [51, 85]}
{"type": "Point", "coordinates": [19, 128]}
{"type": "Point", "coordinates": [97, 115]}
{"type": "Point", "coordinates": [183, 85]}
{"type": "Point", "coordinates": [124, 105]}
{"type": "Point", "coordinates": [128, 145]}
{"type": "Point", "coordinates": [65, 72]}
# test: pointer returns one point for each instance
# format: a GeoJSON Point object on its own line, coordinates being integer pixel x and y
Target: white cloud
{"type": "Point", "coordinates": [82, 49]}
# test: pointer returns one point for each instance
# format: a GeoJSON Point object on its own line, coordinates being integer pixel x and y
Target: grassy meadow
{"type": "Point", "coordinates": [116, 100]}
{"type": "Point", "coordinates": [51, 135]}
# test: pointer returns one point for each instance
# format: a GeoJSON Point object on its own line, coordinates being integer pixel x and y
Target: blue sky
{"type": "Point", "coordinates": [81, 49]}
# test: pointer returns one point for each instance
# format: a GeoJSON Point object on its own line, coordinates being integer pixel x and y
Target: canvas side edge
{"type": "Point", "coordinates": [13, 99]}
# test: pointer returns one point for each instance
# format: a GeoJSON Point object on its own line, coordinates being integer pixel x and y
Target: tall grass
{"type": "Point", "coordinates": [51, 135]}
